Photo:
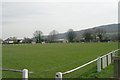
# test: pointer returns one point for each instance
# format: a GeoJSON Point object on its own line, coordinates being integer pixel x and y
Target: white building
{"type": "Point", "coordinates": [62, 40]}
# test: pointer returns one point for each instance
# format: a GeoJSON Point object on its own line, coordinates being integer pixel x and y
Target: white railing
{"type": "Point", "coordinates": [24, 72]}
{"type": "Point", "coordinates": [102, 62]}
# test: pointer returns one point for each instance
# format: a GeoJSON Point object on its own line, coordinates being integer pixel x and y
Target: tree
{"type": "Point", "coordinates": [87, 36]}
{"type": "Point", "coordinates": [114, 37]}
{"type": "Point", "coordinates": [27, 40]}
{"type": "Point", "coordinates": [52, 35]}
{"type": "Point", "coordinates": [100, 33]}
{"type": "Point", "coordinates": [71, 35]}
{"type": "Point", "coordinates": [38, 36]}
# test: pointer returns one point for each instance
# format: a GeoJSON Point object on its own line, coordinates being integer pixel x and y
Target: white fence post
{"type": "Point", "coordinates": [104, 62]}
{"type": "Point", "coordinates": [99, 64]}
{"type": "Point", "coordinates": [109, 59]}
{"type": "Point", "coordinates": [58, 76]}
{"type": "Point", "coordinates": [113, 53]}
{"type": "Point", "coordinates": [25, 74]}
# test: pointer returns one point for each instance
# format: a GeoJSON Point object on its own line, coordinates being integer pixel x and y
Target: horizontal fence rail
{"type": "Point", "coordinates": [79, 67]}
{"type": "Point", "coordinates": [24, 72]}
{"type": "Point", "coordinates": [102, 62]}
{"type": "Point", "coordinates": [13, 70]}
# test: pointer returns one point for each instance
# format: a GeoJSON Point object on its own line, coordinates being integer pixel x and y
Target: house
{"type": "Point", "coordinates": [21, 41]}
{"type": "Point", "coordinates": [33, 41]}
{"type": "Point", "coordinates": [8, 41]}
{"type": "Point", "coordinates": [11, 41]}
{"type": "Point", "coordinates": [61, 40]}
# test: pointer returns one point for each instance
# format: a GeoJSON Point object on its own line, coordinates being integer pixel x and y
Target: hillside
{"type": "Point", "coordinates": [111, 29]}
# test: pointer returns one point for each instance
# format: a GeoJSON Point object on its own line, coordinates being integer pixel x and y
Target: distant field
{"type": "Point", "coordinates": [44, 60]}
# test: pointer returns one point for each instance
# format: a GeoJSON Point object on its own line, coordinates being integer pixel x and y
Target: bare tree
{"type": "Point", "coordinates": [52, 35]}
{"type": "Point", "coordinates": [38, 36]}
{"type": "Point", "coordinates": [71, 35]}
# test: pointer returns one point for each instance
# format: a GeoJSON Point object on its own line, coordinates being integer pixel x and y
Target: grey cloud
{"type": "Point", "coordinates": [45, 16]}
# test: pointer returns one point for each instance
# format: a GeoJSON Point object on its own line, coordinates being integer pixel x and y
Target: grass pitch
{"type": "Point", "coordinates": [44, 60]}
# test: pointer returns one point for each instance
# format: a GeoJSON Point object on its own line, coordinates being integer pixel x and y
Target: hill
{"type": "Point", "coordinates": [110, 29]}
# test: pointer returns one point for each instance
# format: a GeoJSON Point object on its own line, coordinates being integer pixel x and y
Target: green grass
{"type": "Point", "coordinates": [108, 72]}
{"type": "Point", "coordinates": [44, 60]}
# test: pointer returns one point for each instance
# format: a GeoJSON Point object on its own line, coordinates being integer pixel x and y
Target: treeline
{"type": "Point", "coordinates": [89, 35]}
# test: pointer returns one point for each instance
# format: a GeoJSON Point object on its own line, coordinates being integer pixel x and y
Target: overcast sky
{"type": "Point", "coordinates": [21, 18]}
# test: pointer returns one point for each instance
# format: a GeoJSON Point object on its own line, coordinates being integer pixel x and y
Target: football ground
{"type": "Point", "coordinates": [44, 60]}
